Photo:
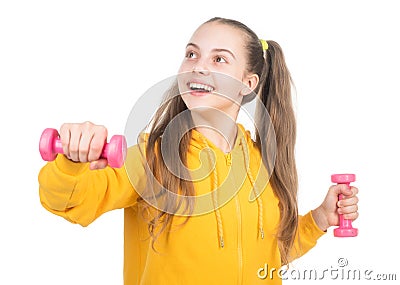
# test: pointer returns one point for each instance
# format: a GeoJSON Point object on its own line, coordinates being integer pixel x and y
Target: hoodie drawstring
{"type": "Point", "coordinates": [214, 189]}
{"type": "Point", "coordinates": [215, 197]}
{"type": "Point", "coordinates": [253, 184]}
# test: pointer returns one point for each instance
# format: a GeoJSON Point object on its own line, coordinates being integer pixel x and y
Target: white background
{"type": "Point", "coordinates": [71, 61]}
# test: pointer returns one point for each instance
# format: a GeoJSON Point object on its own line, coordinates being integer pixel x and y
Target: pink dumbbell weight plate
{"type": "Point", "coordinates": [343, 178]}
{"type": "Point", "coordinates": [114, 151]}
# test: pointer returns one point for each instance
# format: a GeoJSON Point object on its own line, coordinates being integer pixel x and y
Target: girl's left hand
{"type": "Point", "coordinates": [327, 214]}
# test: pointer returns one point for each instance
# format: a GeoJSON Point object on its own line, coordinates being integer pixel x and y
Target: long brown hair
{"type": "Point", "coordinates": [274, 90]}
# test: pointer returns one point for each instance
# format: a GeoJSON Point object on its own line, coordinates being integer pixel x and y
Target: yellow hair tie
{"type": "Point", "coordinates": [264, 44]}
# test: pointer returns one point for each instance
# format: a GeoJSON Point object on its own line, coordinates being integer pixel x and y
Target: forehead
{"type": "Point", "coordinates": [219, 35]}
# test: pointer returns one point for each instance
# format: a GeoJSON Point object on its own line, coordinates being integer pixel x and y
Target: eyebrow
{"type": "Point", "coordinates": [214, 50]}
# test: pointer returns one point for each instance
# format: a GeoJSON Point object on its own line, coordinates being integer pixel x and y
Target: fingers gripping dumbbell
{"type": "Point", "coordinates": [114, 151]}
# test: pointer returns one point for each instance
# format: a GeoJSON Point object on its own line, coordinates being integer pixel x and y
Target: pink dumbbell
{"type": "Point", "coordinates": [345, 228]}
{"type": "Point", "coordinates": [114, 151]}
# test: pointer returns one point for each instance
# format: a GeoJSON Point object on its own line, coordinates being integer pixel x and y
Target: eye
{"type": "Point", "coordinates": [220, 59]}
{"type": "Point", "coordinates": [191, 54]}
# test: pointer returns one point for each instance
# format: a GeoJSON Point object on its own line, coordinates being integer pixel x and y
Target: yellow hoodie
{"type": "Point", "coordinates": [230, 245]}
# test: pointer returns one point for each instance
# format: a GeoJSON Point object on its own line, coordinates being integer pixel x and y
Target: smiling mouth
{"type": "Point", "coordinates": [199, 87]}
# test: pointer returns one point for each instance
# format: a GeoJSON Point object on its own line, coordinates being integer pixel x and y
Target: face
{"type": "Point", "coordinates": [213, 73]}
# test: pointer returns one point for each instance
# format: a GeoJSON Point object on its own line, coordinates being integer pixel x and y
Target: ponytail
{"type": "Point", "coordinates": [275, 94]}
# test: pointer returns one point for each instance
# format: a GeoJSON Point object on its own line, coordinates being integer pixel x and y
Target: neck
{"type": "Point", "coordinates": [225, 142]}
{"type": "Point", "coordinates": [217, 127]}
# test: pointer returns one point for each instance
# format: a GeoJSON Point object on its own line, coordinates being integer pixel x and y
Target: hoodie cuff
{"type": "Point", "coordinates": [312, 227]}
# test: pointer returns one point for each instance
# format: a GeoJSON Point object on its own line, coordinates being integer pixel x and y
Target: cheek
{"type": "Point", "coordinates": [185, 67]}
{"type": "Point", "coordinates": [235, 75]}
{"type": "Point", "coordinates": [229, 85]}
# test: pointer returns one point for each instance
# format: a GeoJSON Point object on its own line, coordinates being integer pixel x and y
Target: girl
{"type": "Point", "coordinates": [202, 217]}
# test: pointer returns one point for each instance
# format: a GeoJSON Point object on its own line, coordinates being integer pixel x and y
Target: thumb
{"type": "Point", "coordinates": [343, 189]}
{"type": "Point", "coordinates": [98, 164]}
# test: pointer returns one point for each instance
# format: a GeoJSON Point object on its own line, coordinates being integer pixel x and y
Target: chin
{"type": "Point", "coordinates": [207, 103]}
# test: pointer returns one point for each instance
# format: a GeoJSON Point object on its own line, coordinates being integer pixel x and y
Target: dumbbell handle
{"type": "Point", "coordinates": [57, 148]}
{"type": "Point", "coordinates": [344, 223]}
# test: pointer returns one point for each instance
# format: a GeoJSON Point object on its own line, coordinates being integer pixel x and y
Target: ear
{"type": "Point", "coordinates": [250, 83]}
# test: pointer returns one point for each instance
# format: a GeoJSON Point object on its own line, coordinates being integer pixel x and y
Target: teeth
{"type": "Point", "coordinates": [201, 86]}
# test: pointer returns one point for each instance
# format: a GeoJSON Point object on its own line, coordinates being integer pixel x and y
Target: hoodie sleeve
{"type": "Point", "coordinates": [307, 235]}
{"type": "Point", "coordinates": [80, 195]}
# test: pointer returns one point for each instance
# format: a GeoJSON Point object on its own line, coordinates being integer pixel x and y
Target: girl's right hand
{"type": "Point", "coordinates": [84, 142]}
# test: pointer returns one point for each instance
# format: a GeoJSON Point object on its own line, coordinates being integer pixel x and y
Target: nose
{"type": "Point", "coordinates": [200, 68]}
